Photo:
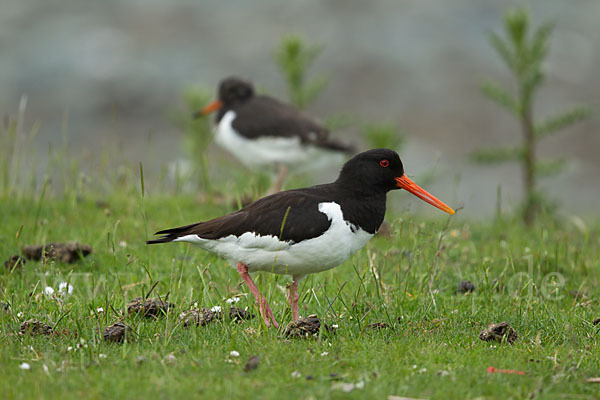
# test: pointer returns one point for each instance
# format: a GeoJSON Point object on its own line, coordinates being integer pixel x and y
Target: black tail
{"type": "Point", "coordinates": [170, 234]}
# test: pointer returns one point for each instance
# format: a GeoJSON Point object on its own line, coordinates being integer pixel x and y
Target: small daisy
{"type": "Point", "coordinates": [216, 309]}
{"type": "Point", "coordinates": [25, 366]}
{"type": "Point", "coordinates": [232, 300]}
{"type": "Point", "coordinates": [296, 374]}
{"type": "Point", "coordinates": [48, 291]}
{"type": "Point", "coordinates": [234, 353]}
{"type": "Point", "coordinates": [65, 288]}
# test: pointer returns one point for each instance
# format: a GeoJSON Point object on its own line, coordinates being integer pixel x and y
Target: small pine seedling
{"type": "Point", "coordinates": [524, 53]}
{"type": "Point", "coordinates": [294, 58]}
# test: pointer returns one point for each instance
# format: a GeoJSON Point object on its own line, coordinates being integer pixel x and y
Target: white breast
{"type": "Point", "coordinates": [268, 253]}
{"type": "Point", "coordinates": [264, 150]}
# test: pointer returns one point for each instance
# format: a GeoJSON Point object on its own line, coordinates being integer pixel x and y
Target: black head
{"type": "Point", "coordinates": [376, 172]}
{"type": "Point", "coordinates": [373, 171]}
{"type": "Point", "coordinates": [233, 91]}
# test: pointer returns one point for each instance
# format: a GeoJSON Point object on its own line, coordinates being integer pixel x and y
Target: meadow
{"type": "Point", "coordinates": [401, 328]}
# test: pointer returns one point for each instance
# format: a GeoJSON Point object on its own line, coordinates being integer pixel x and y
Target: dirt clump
{"type": "Point", "coordinates": [378, 325]}
{"type": "Point", "coordinates": [35, 327]}
{"type": "Point", "coordinates": [239, 314]}
{"type": "Point", "coordinates": [499, 333]}
{"type": "Point", "coordinates": [116, 332]}
{"type": "Point", "coordinates": [252, 363]}
{"type": "Point", "coordinates": [14, 262]}
{"type": "Point", "coordinates": [465, 287]}
{"type": "Point", "coordinates": [68, 253]}
{"type": "Point", "coordinates": [199, 317]}
{"type": "Point", "coordinates": [151, 308]}
{"type": "Point", "coordinates": [305, 327]}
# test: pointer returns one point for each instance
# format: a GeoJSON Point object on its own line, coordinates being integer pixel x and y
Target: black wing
{"type": "Point", "coordinates": [265, 116]}
{"type": "Point", "coordinates": [292, 215]}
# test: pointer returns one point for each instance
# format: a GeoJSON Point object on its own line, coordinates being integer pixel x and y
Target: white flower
{"type": "Point", "coordinates": [323, 354]}
{"type": "Point", "coordinates": [99, 310]}
{"type": "Point", "coordinates": [422, 370]}
{"type": "Point", "coordinates": [234, 353]}
{"type": "Point", "coordinates": [25, 366]}
{"type": "Point", "coordinates": [359, 385]}
{"type": "Point", "coordinates": [48, 291]}
{"type": "Point", "coordinates": [65, 288]}
{"type": "Point", "coordinates": [101, 355]}
{"type": "Point", "coordinates": [296, 374]}
{"type": "Point", "coordinates": [123, 244]}
{"type": "Point", "coordinates": [195, 305]}
{"type": "Point", "coordinates": [335, 326]}
{"type": "Point", "coordinates": [232, 300]}
{"type": "Point", "coordinates": [20, 314]}
{"type": "Point", "coordinates": [216, 309]}
{"type": "Point", "coordinates": [69, 348]}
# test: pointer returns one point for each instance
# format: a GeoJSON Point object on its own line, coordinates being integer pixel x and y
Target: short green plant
{"type": "Point", "coordinates": [524, 50]}
{"type": "Point", "coordinates": [294, 58]}
{"type": "Point", "coordinates": [382, 135]}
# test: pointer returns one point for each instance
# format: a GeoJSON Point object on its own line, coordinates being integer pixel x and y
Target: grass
{"type": "Point", "coordinates": [407, 281]}
{"type": "Point", "coordinates": [543, 280]}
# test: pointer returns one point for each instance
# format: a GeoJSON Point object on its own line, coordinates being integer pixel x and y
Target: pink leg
{"type": "Point", "coordinates": [294, 300]}
{"type": "Point", "coordinates": [281, 175]}
{"type": "Point", "coordinates": [263, 305]}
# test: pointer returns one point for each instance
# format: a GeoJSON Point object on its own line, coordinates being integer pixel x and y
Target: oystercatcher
{"type": "Point", "coordinates": [301, 231]}
{"type": "Point", "coordinates": [261, 131]}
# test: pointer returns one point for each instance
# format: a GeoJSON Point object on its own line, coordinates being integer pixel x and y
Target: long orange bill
{"type": "Point", "coordinates": [406, 184]}
{"type": "Point", "coordinates": [212, 107]}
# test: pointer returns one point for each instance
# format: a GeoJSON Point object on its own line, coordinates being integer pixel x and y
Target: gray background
{"type": "Point", "coordinates": [116, 69]}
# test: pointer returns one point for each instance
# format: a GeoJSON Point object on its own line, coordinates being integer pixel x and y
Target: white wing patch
{"type": "Point", "coordinates": [267, 253]}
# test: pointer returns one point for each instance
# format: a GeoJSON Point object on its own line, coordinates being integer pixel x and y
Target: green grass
{"type": "Point", "coordinates": [407, 281]}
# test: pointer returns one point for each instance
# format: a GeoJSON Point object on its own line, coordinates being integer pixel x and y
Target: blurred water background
{"type": "Point", "coordinates": [109, 74]}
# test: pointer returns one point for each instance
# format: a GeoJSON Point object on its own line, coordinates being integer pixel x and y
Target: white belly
{"type": "Point", "coordinates": [266, 150]}
{"type": "Point", "coordinates": [268, 253]}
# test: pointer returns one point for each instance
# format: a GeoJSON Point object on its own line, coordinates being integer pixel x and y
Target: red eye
{"type": "Point", "coordinates": [384, 163]}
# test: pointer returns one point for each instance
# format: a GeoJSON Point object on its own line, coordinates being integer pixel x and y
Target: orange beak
{"type": "Point", "coordinates": [406, 184]}
{"type": "Point", "coordinates": [212, 107]}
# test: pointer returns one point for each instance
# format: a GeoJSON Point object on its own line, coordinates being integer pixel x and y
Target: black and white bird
{"type": "Point", "coordinates": [302, 231]}
{"type": "Point", "coordinates": [262, 131]}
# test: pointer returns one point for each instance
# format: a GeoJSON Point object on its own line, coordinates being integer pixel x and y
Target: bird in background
{"type": "Point", "coordinates": [303, 231]}
{"type": "Point", "coordinates": [262, 131]}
